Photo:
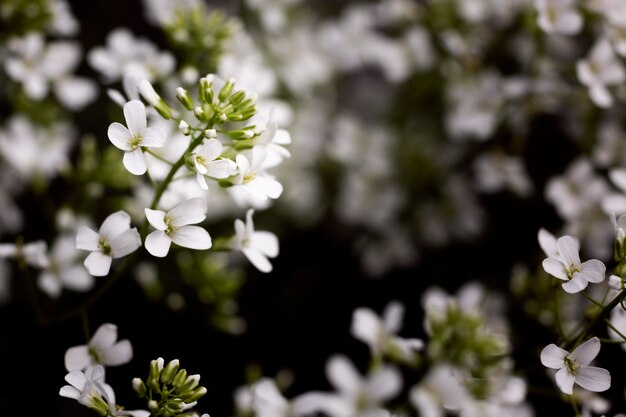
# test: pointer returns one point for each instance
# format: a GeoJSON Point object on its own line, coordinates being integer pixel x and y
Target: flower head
{"type": "Point", "coordinates": [173, 226]}
{"type": "Point", "coordinates": [206, 162]}
{"type": "Point", "coordinates": [573, 367]}
{"type": "Point", "coordinates": [115, 239]}
{"type": "Point", "coordinates": [257, 246]}
{"type": "Point", "coordinates": [566, 265]}
{"type": "Point", "coordinates": [137, 136]}
{"type": "Point", "coordinates": [102, 349]}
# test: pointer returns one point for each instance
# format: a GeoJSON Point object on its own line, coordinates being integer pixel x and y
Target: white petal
{"type": "Point", "coordinates": [135, 115]}
{"type": "Point", "coordinates": [135, 162]}
{"type": "Point", "coordinates": [104, 337]}
{"type": "Point", "coordinates": [266, 242]}
{"type": "Point", "coordinates": [366, 326]}
{"type": "Point", "coordinates": [594, 271]}
{"type": "Point", "coordinates": [98, 264]}
{"type": "Point", "coordinates": [153, 137]}
{"type": "Point", "coordinates": [87, 239]}
{"type": "Point", "coordinates": [119, 136]}
{"type": "Point", "coordinates": [342, 374]}
{"type": "Point", "coordinates": [257, 259]}
{"type": "Point", "coordinates": [75, 92]}
{"type": "Point", "coordinates": [565, 381]}
{"type": "Point", "coordinates": [158, 244]}
{"type": "Point", "coordinates": [271, 187]}
{"type": "Point", "coordinates": [50, 284]}
{"type": "Point", "coordinates": [384, 384]}
{"type": "Point", "coordinates": [193, 237]}
{"type": "Point", "coordinates": [202, 181]}
{"type": "Point", "coordinates": [601, 96]}
{"type": "Point", "coordinates": [585, 353]}
{"type": "Point", "coordinates": [190, 212]}
{"type": "Point", "coordinates": [118, 354]}
{"type": "Point", "coordinates": [211, 149]}
{"type": "Point", "coordinates": [547, 241]}
{"type": "Point", "coordinates": [156, 218]}
{"type": "Point", "coordinates": [77, 379]}
{"type": "Point", "coordinates": [69, 392]}
{"type": "Point", "coordinates": [554, 267]}
{"type": "Point", "coordinates": [77, 358]}
{"type": "Point", "coordinates": [593, 379]}
{"type": "Point", "coordinates": [115, 224]}
{"type": "Point", "coordinates": [576, 284]}
{"type": "Point", "coordinates": [568, 249]}
{"type": "Point", "coordinates": [553, 357]}
{"type": "Point", "coordinates": [77, 279]}
{"type": "Point", "coordinates": [35, 87]}
{"type": "Point", "coordinates": [125, 243]}
{"type": "Point", "coordinates": [220, 169]}
{"type": "Point", "coordinates": [392, 316]}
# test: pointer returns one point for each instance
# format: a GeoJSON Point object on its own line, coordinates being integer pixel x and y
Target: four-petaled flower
{"type": "Point", "coordinates": [135, 137]}
{"type": "Point", "coordinates": [102, 349]}
{"type": "Point", "coordinates": [115, 239]}
{"type": "Point", "coordinates": [566, 265]}
{"type": "Point", "coordinates": [89, 389]}
{"type": "Point", "coordinates": [206, 163]}
{"type": "Point", "coordinates": [573, 367]}
{"type": "Point", "coordinates": [173, 227]}
{"type": "Point", "coordinates": [257, 246]}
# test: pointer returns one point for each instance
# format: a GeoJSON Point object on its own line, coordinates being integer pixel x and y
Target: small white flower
{"type": "Point", "coordinates": [65, 270]}
{"type": "Point", "coordinates": [257, 246]}
{"type": "Point", "coordinates": [253, 178]}
{"type": "Point", "coordinates": [380, 333]}
{"type": "Point", "coordinates": [135, 137]}
{"type": "Point", "coordinates": [115, 239]}
{"type": "Point", "coordinates": [173, 227]}
{"type": "Point", "coordinates": [559, 16]}
{"type": "Point", "coordinates": [102, 349]}
{"type": "Point", "coordinates": [566, 265]}
{"type": "Point", "coordinates": [34, 254]}
{"type": "Point", "coordinates": [206, 163]}
{"type": "Point", "coordinates": [573, 367]}
{"type": "Point", "coordinates": [273, 140]}
{"type": "Point", "coordinates": [600, 69]}
{"type": "Point", "coordinates": [89, 389]}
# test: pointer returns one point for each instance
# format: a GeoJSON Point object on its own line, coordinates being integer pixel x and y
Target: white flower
{"type": "Point", "coordinates": [102, 349]}
{"type": "Point", "coordinates": [566, 266]}
{"type": "Point", "coordinates": [600, 69]}
{"type": "Point", "coordinates": [273, 140]}
{"type": "Point", "coordinates": [573, 367]}
{"type": "Point", "coordinates": [253, 178]}
{"type": "Point", "coordinates": [559, 16]}
{"type": "Point", "coordinates": [34, 254]}
{"type": "Point", "coordinates": [206, 163]}
{"type": "Point", "coordinates": [39, 66]}
{"type": "Point", "coordinates": [89, 389]}
{"type": "Point", "coordinates": [137, 136]}
{"type": "Point", "coordinates": [380, 334]}
{"type": "Point", "coordinates": [355, 395]}
{"type": "Point", "coordinates": [64, 269]}
{"type": "Point", "coordinates": [173, 227]}
{"type": "Point", "coordinates": [257, 246]}
{"type": "Point", "coordinates": [115, 239]}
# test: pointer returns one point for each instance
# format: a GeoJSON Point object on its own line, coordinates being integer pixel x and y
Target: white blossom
{"type": "Point", "coordinates": [103, 349]}
{"type": "Point", "coordinates": [559, 16]}
{"type": "Point", "coordinates": [253, 178]}
{"type": "Point", "coordinates": [207, 162]}
{"type": "Point", "coordinates": [115, 239]}
{"type": "Point", "coordinates": [64, 270]}
{"type": "Point", "coordinates": [257, 246]}
{"type": "Point", "coordinates": [599, 70]}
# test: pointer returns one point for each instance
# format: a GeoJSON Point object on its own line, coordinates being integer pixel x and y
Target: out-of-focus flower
{"type": "Point", "coordinates": [559, 16]}
{"type": "Point", "coordinates": [64, 270]}
{"type": "Point", "coordinates": [599, 70]}
{"type": "Point", "coordinates": [257, 246]}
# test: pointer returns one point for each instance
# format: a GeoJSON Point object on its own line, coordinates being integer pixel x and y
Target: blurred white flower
{"type": "Point", "coordinates": [65, 269]}
{"type": "Point", "coordinates": [599, 70]}
{"type": "Point", "coordinates": [102, 349]}
{"type": "Point", "coordinates": [496, 172]}
{"type": "Point", "coordinates": [115, 239]}
{"type": "Point", "coordinates": [38, 67]}
{"type": "Point", "coordinates": [559, 16]}
{"type": "Point", "coordinates": [34, 254]}
{"type": "Point", "coordinates": [257, 246]}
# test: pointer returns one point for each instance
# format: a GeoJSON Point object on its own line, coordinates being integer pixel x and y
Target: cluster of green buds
{"type": "Point", "coordinates": [218, 106]}
{"type": "Point", "coordinates": [169, 390]}
{"type": "Point", "coordinates": [462, 338]}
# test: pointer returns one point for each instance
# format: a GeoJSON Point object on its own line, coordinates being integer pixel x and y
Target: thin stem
{"type": "Point", "coordinates": [590, 298]}
{"type": "Point", "coordinates": [612, 327]}
{"type": "Point", "coordinates": [159, 157]}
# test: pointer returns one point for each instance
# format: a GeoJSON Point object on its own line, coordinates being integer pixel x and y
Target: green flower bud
{"type": "Point", "coordinates": [139, 387]}
{"type": "Point", "coordinates": [180, 378]}
{"type": "Point", "coordinates": [190, 383]}
{"type": "Point", "coordinates": [194, 395]}
{"type": "Point", "coordinates": [200, 114]}
{"type": "Point", "coordinates": [147, 92]}
{"type": "Point", "coordinates": [170, 370]}
{"type": "Point", "coordinates": [185, 99]}
{"type": "Point", "coordinates": [226, 91]}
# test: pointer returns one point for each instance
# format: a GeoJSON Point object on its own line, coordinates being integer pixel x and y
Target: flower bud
{"type": "Point", "coordinates": [147, 92]}
{"type": "Point", "coordinates": [180, 378]}
{"type": "Point", "coordinates": [210, 133]}
{"type": "Point", "coordinates": [200, 114]}
{"type": "Point", "coordinates": [616, 282]}
{"type": "Point", "coordinates": [139, 387]}
{"type": "Point", "coordinates": [185, 99]}
{"type": "Point", "coordinates": [194, 395]}
{"type": "Point", "coordinates": [184, 128]}
{"type": "Point", "coordinates": [170, 370]}
{"type": "Point", "coordinates": [226, 90]}
{"type": "Point", "coordinates": [190, 383]}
